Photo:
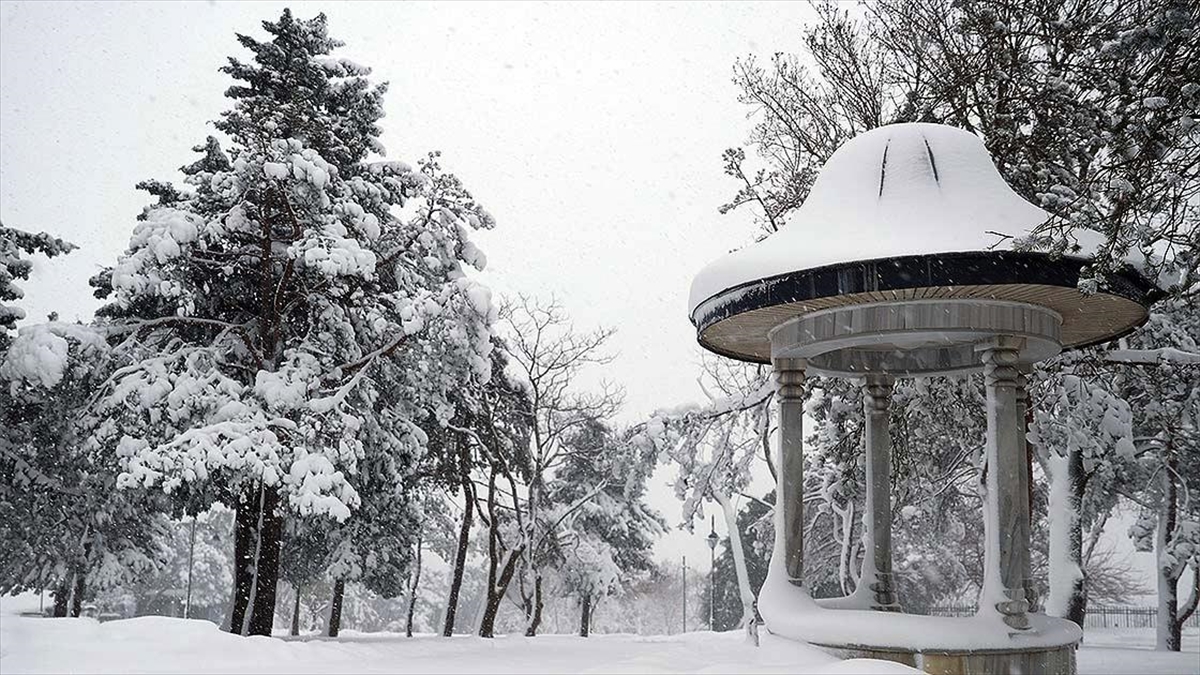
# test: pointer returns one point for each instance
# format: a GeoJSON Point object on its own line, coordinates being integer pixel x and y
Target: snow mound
{"type": "Point", "coordinates": [169, 645]}
{"type": "Point", "coordinates": [901, 189]}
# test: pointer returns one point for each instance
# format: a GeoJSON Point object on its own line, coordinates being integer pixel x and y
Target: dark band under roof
{"type": "Point", "coordinates": [974, 268]}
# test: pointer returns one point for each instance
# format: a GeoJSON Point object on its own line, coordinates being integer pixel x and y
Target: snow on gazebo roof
{"type": "Point", "coordinates": [903, 212]}
{"type": "Point", "coordinates": [901, 189]}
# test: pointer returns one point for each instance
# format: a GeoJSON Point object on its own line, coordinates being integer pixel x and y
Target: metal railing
{"type": "Point", "coordinates": [1096, 617]}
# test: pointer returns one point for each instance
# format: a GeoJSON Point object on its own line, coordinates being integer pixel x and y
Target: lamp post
{"type": "Point", "coordinates": [685, 594]}
{"type": "Point", "coordinates": [712, 571]}
{"type": "Point", "coordinates": [187, 602]}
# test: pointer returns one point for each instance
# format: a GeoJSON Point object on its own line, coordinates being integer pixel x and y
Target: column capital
{"type": "Point", "coordinates": [877, 392]}
{"type": "Point", "coordinates": [1001, 356]}
{"type": "Point", "coordinates": [1022, 382]}
{"type": "Point", "coordinates": [881, 379]}
{"type": "Point", "coordinates": [789, 378]}
{"type": "Point", "coordinates": [789, 364]}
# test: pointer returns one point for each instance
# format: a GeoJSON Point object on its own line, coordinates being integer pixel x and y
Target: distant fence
{"type": "Point", "coordinates": [1096, 617]}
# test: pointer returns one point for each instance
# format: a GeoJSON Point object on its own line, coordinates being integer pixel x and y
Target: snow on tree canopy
{"type": "Point", "coordinates": [901, 189]}
{"type": "Point", "coordinates": [301, 309]}
{"type": "Point", "coordinates": [40, 353]}
{"type": "Point", "coordinates": [14, 266]}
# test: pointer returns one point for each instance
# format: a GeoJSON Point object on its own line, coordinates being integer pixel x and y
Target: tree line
{"type": "Point", "coordinates": [294, 342]}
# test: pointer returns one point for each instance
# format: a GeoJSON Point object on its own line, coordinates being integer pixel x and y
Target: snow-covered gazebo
{"type": "Point", "coordinates": [893, 268]}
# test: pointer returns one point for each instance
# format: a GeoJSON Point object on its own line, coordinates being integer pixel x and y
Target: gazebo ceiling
{"type": "Point", "coordinates": [905, 212]}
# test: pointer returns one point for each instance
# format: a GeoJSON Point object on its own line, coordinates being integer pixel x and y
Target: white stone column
{"type": "Point", "coordinates": [877, 563]}
{"type": "Point", "coordinates": [789, 492]}
{"type": "Point", "coordinates": [1006, 526]}
{"type": "Point", "coordinates": [1026, 479]}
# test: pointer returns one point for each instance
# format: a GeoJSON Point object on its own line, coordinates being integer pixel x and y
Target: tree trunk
{"type": "Point", "coordinates": [585, 615]}
{"type": "Point", "coordinates": [62, 598]}
{"type": "Point", "coordinates": [535, 621]}
{"type": "Point", "coordinates": [499, 574]}
{"type": "Point", "coordinates": [739, 560]}
{"type": "Point", "coordinates": [460, 559]}
{"type": "Point", "coordinates": [1077, 605]}
{"type": "Point", "coordinates": [77, 596]}
{"type": "Point", "coordinates": [533, 617]}
{"type": "Point", "coordinates": [243, 558]}
{"type": "Point", "coordinates": [412, 595]}
{"type": "Point", "coordinates": [1166, 628]}
{"type": "Point", "coordinates": [335, 612]}
{"type": "Point", "coordinates": [296, 614]}
{"type": "Point", "coordinates": [187, 601]}
{"type": "Point", "coordinates": [495, 593]}
{"type": "Point", "coordinates": [526, 601]}
{"type": "Point", "coordinates": [1068, 584]}
{"type": "Point", "coordinates": [487, 624]}
{"type": "Point", "coordinates": [1185, 612]}
{"type": "Point", "coordinates": [1031, 592]}
{"type": "Point", "coordinates": [262, 621]}
{"type": "Point", "coordinates": [1169, 633]}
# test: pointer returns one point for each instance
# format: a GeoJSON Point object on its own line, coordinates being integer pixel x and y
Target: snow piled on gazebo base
{"type": "Point", "coordinates": [789, 611]}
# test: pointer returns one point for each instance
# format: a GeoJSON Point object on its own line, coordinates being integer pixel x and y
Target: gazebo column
{"type": "Point", "coordinates": [1006, 527]}
{"type": "Point", "coordinates": [789, 494]}
{"type": "Point", "coordinates": [1026, 477]}
{"type": "Point", "coordinates": [877, 564]}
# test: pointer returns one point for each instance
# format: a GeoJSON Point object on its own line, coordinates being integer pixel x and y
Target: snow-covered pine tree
{"type": "Point", "coordinates": [375, 548]}
{"type": "Point", "coordinates": [65, 525]}
{"type": "Point", "coordinates": [609, 531]}
{"type": "Point", "coordinates": [15, 248]}
{"type": "Point", "coordinates": [1081, 434]}
{"type": "Point", "coordinates": [61, 528]}
{"type": "Point", "coordinates": [297, 309]}
{"type": "Point", "coordinates": [1160, 376]}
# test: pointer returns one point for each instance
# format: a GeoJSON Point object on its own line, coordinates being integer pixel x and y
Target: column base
{"type": "Point", "coordinates": [1031, 597]}
{"type": "Point", "coordinates": [883, 594]}
{"type": "Point", "coordinates": [1014, 611]}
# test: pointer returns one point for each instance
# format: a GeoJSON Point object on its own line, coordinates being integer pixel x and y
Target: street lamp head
{"type": "Point", "coordinates": [712, 536]}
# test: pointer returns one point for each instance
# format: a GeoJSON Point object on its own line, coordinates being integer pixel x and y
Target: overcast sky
{"type": "Point", "coordinates": [593, 133]}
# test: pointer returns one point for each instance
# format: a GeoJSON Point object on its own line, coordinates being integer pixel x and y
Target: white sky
{"type": "Point", "coordinates": [592, 132]}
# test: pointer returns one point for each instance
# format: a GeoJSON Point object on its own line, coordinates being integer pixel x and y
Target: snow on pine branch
{"type": "Point", "coordinates": [40, 354]}
{"type": "Point", "coordinates": [1153, 356]}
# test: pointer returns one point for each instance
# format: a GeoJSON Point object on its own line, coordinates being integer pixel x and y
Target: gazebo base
{"type": "Point", "coordinates": [1043, 661]}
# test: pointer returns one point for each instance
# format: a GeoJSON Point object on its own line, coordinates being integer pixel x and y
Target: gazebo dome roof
{"type": "Point", "coordinates": [903, 212]}
{"type": "Point", "coordinates": [900, 189]}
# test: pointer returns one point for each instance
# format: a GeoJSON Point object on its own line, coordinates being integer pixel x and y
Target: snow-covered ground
{"type": "Point", "coordinates": [1131, 650]}
{"type": "Point", "coordinates": [165, 645]}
